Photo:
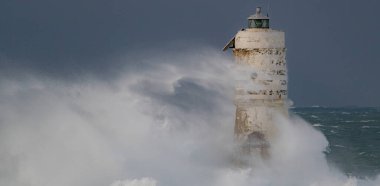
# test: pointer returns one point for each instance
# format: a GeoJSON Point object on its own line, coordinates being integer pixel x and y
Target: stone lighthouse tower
{"type": "Point", "coordinates": [261, 82]}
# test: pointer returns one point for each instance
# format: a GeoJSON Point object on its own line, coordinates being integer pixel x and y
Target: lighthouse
{"type": "Point", "coordinates": [261, 83]}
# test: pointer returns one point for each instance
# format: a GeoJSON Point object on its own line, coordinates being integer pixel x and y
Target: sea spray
{"type": "Point", "coordinates": [170, 124]}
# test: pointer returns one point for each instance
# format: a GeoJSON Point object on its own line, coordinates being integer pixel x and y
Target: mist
{"type": "Point", "coordinates": [166, 121]}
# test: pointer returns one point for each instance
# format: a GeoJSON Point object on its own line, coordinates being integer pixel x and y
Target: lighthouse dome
{"type": "Point", "coordinates": [258, 20]}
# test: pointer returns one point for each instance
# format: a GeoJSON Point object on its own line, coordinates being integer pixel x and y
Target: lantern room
{"type": "Point", "coordinates": [258, 20]}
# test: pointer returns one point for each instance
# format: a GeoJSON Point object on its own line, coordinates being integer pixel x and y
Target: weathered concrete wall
{"type": "Point", "coordinates": [261, 89]}
{"type": "Point", "coordinates": [268, 75]}
{"type": "Point", "coordinates": [255, 38]}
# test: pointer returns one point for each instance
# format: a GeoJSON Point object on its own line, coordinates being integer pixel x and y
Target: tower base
{"type": "Point", "coordinates": [255, 128]}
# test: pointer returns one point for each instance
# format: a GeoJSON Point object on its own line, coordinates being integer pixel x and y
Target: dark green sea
{"type": "Point", "coordinates": [353, 135]}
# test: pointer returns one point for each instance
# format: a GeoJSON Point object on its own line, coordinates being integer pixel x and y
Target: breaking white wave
{"type": "Point", "coordinates": [170, 124]}
{"type": "Point", "coordinates": [366, 121]}
{"type": "Point", "coordinates": [349, 121]}
{"type": "Point", "coordinates": [317, 125]}
{"type": "Point", "coordinates": [341, 146]}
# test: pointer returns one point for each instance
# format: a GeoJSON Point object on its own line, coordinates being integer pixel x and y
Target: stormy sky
{"type": "Point", "coordinates": [332, 46]}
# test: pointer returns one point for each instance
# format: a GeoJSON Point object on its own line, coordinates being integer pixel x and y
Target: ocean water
{"type": "Point", "coordinates": [353, 135]}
